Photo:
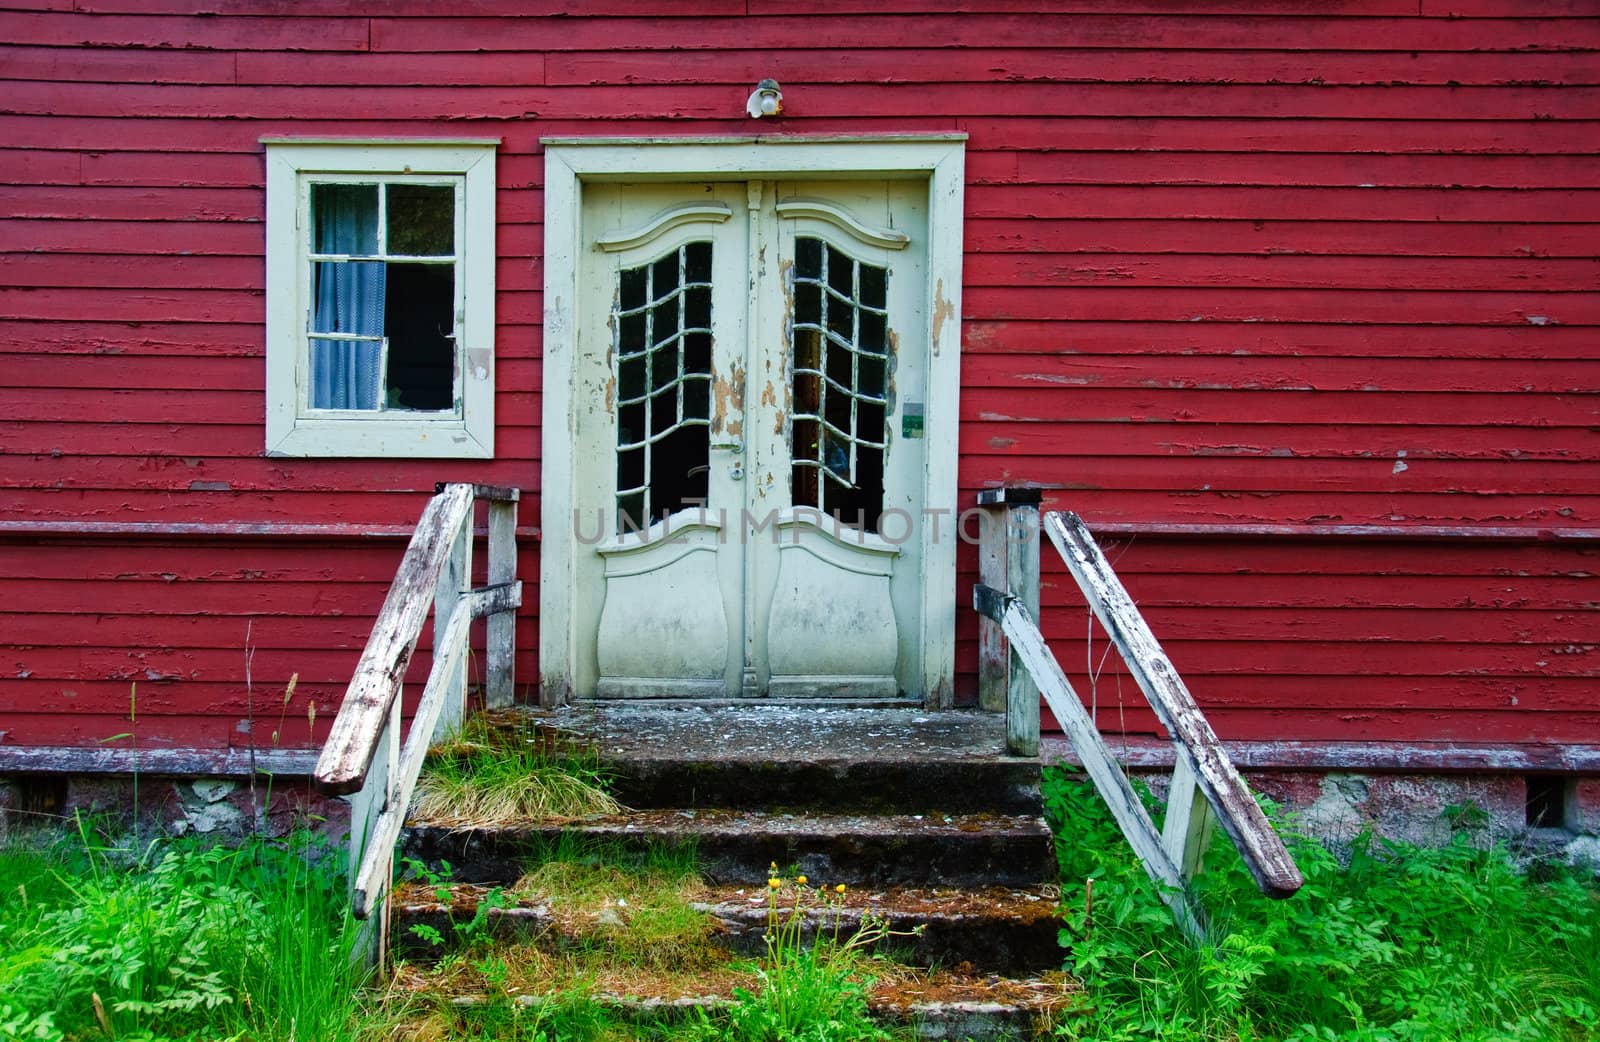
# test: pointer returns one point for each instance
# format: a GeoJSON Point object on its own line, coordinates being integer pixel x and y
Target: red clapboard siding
{"type": "Point", "coordinates": [1227, 262]}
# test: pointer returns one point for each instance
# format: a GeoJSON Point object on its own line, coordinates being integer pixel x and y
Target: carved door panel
{"type": "Point", "coordinates": [748, 420]}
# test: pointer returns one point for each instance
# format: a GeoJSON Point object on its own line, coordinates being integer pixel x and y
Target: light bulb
{"type": "Point", "coordinates": [765, 100]}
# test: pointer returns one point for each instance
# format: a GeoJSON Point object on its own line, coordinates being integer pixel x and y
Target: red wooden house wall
{"type": "Point", "coordinates": [1295, 300]}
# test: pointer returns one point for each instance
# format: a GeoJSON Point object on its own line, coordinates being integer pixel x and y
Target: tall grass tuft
{"type": "Point", "coordinates": [491, 774]}
{"type": "Point", "coordinates": [813, 992]}
{"type": "Point", "coordinates": [1402, 943]}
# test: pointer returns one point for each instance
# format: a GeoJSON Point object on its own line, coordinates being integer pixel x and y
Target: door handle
{"type": "Point", "coordinates": [735, 446]}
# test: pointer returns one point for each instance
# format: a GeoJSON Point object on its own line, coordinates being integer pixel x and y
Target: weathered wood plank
{"type": "Point", "coordinates": [1097, 759]}
{"type": "Point", "coordinates": [1022, 579]}
{"type": "Point", "coordinates": [1187, 829]}
{"type": "Point", "coordinates": [994, 654]}
{"type": "Point", "coordinates": [500, 651]}
{"type": "Point", "coordinates": [493, 493]}
{"type": "Point", "coordinates": [46, 759]}
{"type": "Point", "coordinates": [376, 683]}
{"type": "Point", "coordinates": [455, 585]}
{"type": "Point", "coordinates": [1252, 835]}
{"type": "Point", "coordinates": [492, 601]}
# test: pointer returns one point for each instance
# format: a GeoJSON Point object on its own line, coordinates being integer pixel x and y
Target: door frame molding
{"type": "Point", "coordinates": [939, 159]}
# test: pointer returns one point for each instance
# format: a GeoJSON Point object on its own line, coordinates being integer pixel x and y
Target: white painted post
{"type": "Point", "coordinates": [1190, 822]}
{"type": "Point", "coordinates": [455, 582]}
{"type": "Point", "coordinates": [501, 650]}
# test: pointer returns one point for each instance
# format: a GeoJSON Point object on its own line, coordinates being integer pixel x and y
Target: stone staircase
{"type": "Point", "coordinates": [922, 817]}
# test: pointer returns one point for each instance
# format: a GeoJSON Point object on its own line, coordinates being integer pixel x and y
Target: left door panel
{"type": "Point", "coordinates": [659, 422]}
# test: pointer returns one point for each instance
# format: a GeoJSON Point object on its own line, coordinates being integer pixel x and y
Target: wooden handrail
{"type": "Point", "coordinates": [1197, 744]}
{"type": "Point", "coordinates": [346, 755]}
{"type": "Point", "coordinates": [1206, 788]}
{"type": "Point", "coordinates": [370, 755]}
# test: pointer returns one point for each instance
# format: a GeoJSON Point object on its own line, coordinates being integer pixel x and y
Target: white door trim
{"type": "Point", "coordinates": [569, 162]}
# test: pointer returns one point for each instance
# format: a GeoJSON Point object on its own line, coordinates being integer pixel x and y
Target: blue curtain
{"type": "Point", "coordinates": [349, 299]}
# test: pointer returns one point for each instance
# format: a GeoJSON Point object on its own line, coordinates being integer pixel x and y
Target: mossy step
{"type": "Point", "coordinates": [932, 1005]}
{"type": "Point", "coordinates": [736, 846]}
{"type": "Point", "coordinates": [994, 929]}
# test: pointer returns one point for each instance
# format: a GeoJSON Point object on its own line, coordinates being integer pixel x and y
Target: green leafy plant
{"type": "Point", "coordinates": [474, 930]}
{"type": "Point", "coordinates": [1401, 943]}
{"type": "Point", "coordinates": [176, 941]}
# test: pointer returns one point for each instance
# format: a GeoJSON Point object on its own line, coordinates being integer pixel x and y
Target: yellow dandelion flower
{"type": "Point", "coordinates": [801, 880]}
{"type": "Point", "coordinates": [774, 883]}
{"type": "Point", "coordinates": [839, 889]}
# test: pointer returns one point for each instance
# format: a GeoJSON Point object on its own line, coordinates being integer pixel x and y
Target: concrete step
{"type": "Point", "coordinates": [994, 929]}
{"type": "Point", "coordinates": [737, 847]}
{"type": "Point", "coordinates": [936, 1006]}
{"type": "Point", "coordinates": [799, 755]}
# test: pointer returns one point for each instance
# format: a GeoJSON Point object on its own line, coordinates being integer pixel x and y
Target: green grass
{"type": "Point", "coordinates": [175, 941]}
{"type": "Point", "coordinates": [1402, 944]}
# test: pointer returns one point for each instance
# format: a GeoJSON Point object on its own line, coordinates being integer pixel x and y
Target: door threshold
{"type": "Point", "coordinates": [840, 702]}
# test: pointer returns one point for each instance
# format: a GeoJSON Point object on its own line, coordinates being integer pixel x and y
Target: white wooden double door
{"type": "Point", "coordinates": [747, 432]}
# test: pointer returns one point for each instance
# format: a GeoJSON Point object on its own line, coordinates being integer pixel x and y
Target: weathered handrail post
{"type": "Point", "coordinates": [1008, 561]}
{"type": "Point", "coordinates": [501, 650]}
{"type": "Point", "coordinates": [455, 582]}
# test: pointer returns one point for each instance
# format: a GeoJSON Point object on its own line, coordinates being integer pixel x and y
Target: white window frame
{"type": "Point", "coordinates": [938, 159]}
{"type": "Point", "coordinates": [293, 427]}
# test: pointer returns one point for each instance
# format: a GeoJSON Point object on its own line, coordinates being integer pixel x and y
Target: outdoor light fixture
{"type": "Point", "coordinates": [765, 100]}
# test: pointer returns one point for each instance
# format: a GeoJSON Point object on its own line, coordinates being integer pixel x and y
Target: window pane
{"type": "Point", "coordinates": [344, 219]}
{"type": "Point", "coordinates": [344, 374]}
{"type": "Point", "coordinates": [420, 323]}
{"type": "Point", "coordinates": [347, 297]}
{"type": "Point", "coordinates": [422, 220]}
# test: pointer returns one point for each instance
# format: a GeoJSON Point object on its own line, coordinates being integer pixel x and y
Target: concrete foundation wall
{"type": "Point", "coordinates": [224, 807]}
{"type": "Point", "coordinates": [1424, 809]}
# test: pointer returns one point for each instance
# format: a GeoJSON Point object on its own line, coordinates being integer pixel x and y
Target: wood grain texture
{"type": "Point", "coordinates": [1227, 263]}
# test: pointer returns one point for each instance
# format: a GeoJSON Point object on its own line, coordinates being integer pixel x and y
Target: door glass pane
{"type": "Point", "coordinates": [839, 364]}
{"type": "Point", "coordinates": [663, 347]}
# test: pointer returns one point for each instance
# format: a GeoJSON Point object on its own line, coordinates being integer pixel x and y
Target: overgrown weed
{"type": "Point", "coordinates": [491, 773]}
{"type": "Point", "coordinates": [810, 992]}
{"type": "Point", "coordinates": [1402, 944]}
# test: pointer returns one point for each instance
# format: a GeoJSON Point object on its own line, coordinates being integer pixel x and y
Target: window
{"type": "Point", "coordinates": [380, 298]}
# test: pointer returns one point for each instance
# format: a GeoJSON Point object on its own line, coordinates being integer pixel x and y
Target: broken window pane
{"type": "Point", "coordinates": [420, 318]}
